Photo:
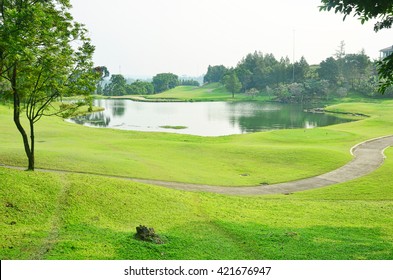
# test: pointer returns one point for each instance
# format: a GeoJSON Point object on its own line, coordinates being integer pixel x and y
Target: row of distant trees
{"type": "Point", "coordinates": [258, 70]}
{"type": "Point", "coordinates": [118, 86]}
{"type": "Point", "coordinates": [299, 82]}
{"type": "Point", "coordinates": [262, 73]}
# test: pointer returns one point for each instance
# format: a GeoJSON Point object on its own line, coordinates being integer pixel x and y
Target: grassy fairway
{"type": "Point", "coordinates": [209, 92]}
{"type": "Point", "coordinates": [57, 216]}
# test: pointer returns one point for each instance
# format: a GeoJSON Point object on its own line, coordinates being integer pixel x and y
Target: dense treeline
{"type": "Point", "coordinates": [259, 73]}
{"type": "Point", "coordinates": [299, 82]}
{"type": "Point", "coordinates": [118, 86]}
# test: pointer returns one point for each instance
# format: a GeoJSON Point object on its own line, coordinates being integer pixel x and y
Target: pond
{"type": "Point", "coordinates": [203, 118]}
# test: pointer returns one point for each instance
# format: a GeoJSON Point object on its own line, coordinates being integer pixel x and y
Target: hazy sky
{"type": "Point", "coordinates": [145, 37]}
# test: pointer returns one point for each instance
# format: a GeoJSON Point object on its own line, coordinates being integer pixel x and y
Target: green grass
{"type": "Point", "coordinates": [209, 92]}
{"type": "Point", "coordinates": [59, 216]}
{"type": "Point", "coordinates": [88, 217]}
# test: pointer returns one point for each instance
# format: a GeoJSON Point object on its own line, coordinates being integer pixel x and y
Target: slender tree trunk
{"type": "Point", "coordinates": [32, 146]}
{"type": "Point", "coordinates": [18, 124]}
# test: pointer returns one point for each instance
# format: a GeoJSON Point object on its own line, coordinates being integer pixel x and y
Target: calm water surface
{"type": "Point", "coordinates": [203, 118]}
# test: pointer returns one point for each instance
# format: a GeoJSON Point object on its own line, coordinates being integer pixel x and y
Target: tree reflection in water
{"type": "Point", "coordinates": [204, 118]}
{"type": "Point", "coordinates": [118, 108]}
{"type": "Point", "coordinates": [96, 119]}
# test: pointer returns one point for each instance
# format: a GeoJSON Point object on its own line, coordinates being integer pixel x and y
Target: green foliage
{"type": "Point", "coordinates": [258, 71]}
{"type": "Point", "coordinates": [140, 87]}
{"type": "Point", "coordinates": [310, 90]}
{"type": "Point", "coordinates": [165, 81]}
{"type": "Point", "coordinates": [215, 74]}
{"type": "Point", "coordinates": [301, 70]}
{"type": "Point", "coordinates": [366, 10]}
{"type": "Point", "coordinates": [103, 72]}
{"type": "Point", "coordinates": [299, 82]}
{"type": "Point", "coordinates": [264, 73]}
{"type": "Point", "coordinates": [44, 55]}
{"type": "Point", "coordinates": [328, 70]}
{"type": "Point", "coordinates": [116, 86]}
{"type": "Point", "coordinates": [5, 90]}
{"type": "Point", "coordinates": [232, 83]}
{"type": "Point", "coordinates": [356, 68]}
{"type": "Point", "coordinates": [189, 83]}
{"type": "Point", "coordinates": [348, 70]}
{"type": "Point", "coordinates": [385, 70]}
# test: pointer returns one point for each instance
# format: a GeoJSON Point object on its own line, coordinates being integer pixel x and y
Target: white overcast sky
{"type": "Point", "coordinates": [141, 38]}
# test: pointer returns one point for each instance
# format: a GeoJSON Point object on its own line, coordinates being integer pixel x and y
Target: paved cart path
{"type": "Point", "coordinates": [368, 156]}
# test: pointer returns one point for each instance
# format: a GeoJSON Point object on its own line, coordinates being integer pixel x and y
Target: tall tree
{"type": "Point", "coordinates": [355, 67]}
{"type": "Point", "coordinates": [165, 81]}
{"type": "Point", "coordinates": [215, 74]}
{"type": "Point", "coordinates": [104, 73]}
{"type": "Point", "coordinates": [339, 55]}
{"type": "Point", "coordinates": [116, 86]}
{"type": "Point", "coordinates": [140, 87]}
{"type": "Point", "coordinates": [232, 83]}
{"type": "Point", "coordinates": [340, 52]}
{"type": "Point", "coordinates": [329, 70]}
{"type": "Point", "coordinates": [366, 10]}
{"type": "Point", "coordinates": [44, 55]}
{"type": "Point", "coordinates": [301, 70]}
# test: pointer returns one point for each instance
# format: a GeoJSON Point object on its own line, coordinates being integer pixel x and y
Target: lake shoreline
{"type": "Point", "coordinates": [204, 118]}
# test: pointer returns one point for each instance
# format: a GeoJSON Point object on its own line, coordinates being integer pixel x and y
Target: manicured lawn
{"type": "Point", "coordinates": [209, 92]}
{"type": "Point", "coordinates": [88, 217]}
{"type": "Point", "coordinates": [71, 216]}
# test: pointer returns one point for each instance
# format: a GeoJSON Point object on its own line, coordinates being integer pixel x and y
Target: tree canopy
{"type": "Point", "coordinates": [44, 56]}
{"type": "Point", "coordinates": [140, 87]}
{"type": "Point", "coordinates": [165, 81]}
{"type": "Point", "coordinates": [232, 83]}
{"type": "Point", "coordinates": [263, 74]}
{"type": "Point", "coordinates": [365, 10]}
{"type": "Point", "coordinates": [116, 86]}
{"type": "Point", "coordinates": [215, 74]}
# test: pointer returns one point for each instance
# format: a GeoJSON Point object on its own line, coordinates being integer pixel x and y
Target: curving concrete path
{"type": "Point", "coordinates": [368, 156]}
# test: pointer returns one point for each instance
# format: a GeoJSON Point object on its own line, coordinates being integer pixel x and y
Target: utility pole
{"type": "Point", "coordinates": [293, 58]}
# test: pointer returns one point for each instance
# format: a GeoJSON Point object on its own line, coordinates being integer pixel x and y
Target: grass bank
{"type": "Point", "coordinates": [208, 92]}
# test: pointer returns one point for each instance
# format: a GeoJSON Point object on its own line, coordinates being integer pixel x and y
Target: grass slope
{"type": "Point", "coordinates": [58, 216]}
{"type": "Point", "coordinates": [85, 217]}
{"type": "Point", "coordinates": [209, 92]}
